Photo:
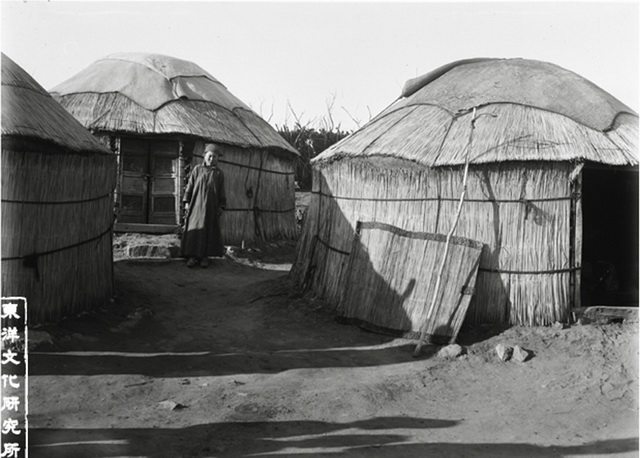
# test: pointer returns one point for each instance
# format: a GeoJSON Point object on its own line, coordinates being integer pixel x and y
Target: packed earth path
{"type": "Point", "coordinates": [234, 361]}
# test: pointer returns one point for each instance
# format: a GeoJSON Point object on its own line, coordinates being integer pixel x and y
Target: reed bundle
{"type": "Point", "coordinates": [519, 211]}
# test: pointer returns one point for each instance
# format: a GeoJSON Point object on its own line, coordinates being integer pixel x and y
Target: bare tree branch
{"type": "Point", "coordinates": [330, 102]}
{"type": "Point", "coordinates": [295, 116]}
{"type": "Point", "coordinates": [352, 118]}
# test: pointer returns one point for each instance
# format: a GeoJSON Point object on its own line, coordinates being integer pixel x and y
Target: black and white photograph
{"type": "Point", "coordinates": [319, 229]}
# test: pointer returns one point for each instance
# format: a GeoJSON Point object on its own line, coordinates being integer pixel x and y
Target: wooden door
{"type": "Point", "coordinates": [134, 202]}
{"type": "Point", "coordinates": [148, 187]}
{"type": "Point", "coordinates": [163, 156]}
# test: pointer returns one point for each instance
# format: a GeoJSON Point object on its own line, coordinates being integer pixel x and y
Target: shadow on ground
{"type": "Point", "coordinates": [184, 364]}
{"type": "Point", "coordinates": [170, 321]}
{"type": "Point", "coordinates": [293, 439]}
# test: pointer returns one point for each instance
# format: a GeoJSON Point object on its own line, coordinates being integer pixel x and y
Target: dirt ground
{"type": "Point", "coordinates": [232, 361]}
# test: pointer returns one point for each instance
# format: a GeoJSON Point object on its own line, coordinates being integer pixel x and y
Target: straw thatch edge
{"type": "Point", "coordinates": [265, 137]}
{"type": "Point", "coordinates": [598, 146]}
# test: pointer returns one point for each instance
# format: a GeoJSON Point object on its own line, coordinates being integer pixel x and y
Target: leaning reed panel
{"type": "Point", "coordinates": [78, 277]}
{"type": "Point", "coordinates": [505, 209]}
{"type": "Point", "coordinates": [391, 279]}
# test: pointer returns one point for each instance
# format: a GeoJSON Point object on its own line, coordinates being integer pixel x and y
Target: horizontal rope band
{"type": "Point", "coordinates": [44, 253]}
{"type": "Point", "coordinates": [530, 272]}
{"type": "Point", "coordinates": [418, 235]}
{"type": "Point", "coordinates": [329, 247]}
{"type": "Point", "coordinates": [259, 210]}
{"type": "Point", "coordinates": [448, 199]}
{"type": "Point", "coordinates": [276, 172]}
{"type": "Point", "coordinates": [54, 202]}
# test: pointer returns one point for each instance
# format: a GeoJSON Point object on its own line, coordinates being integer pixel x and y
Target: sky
{"type": "Point", "coordinates": [326, 64]}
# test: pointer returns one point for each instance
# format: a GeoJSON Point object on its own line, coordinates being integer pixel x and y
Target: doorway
{"type": "Point", "coordinates": [610, 236]}
{"type": "Point", "coordinates": [148, 190]}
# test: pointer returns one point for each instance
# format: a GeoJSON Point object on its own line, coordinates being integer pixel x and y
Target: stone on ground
{"type": "Point", "coordinates": [520, 354]}
{"type": "Point", "coordinates": [504, 352]}
{"type": "Point", "coordinates": [450, 351]}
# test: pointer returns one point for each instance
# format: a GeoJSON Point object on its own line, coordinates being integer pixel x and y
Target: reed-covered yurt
{"type": "Point", "coordinates": [158, 113]}
{"type": "Point", "coordinates": [551, 190]}
{"type": "Point", "coordinates": [57, 204]}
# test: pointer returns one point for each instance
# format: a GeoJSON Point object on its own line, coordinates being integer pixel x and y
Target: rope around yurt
{"type": "Point", "coordinates": [252, 194]}
{"type": "Point", "coordinates": [423, 331]}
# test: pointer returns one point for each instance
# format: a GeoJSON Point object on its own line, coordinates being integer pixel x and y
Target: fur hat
{"type": "Point", "coordinates": [212, 147]}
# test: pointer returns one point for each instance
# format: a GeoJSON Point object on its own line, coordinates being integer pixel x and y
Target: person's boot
{"type": "Point", "coordinates": [192, 262]}
{"type": "Point", "coordinates": [204, 263]}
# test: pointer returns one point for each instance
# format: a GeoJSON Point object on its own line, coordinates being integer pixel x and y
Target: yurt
{"type": "Point", "coordinates": [532, 161]}
{"type": "Point", "coordinates": [57, 204]}
{"type": "Point", "coordinates": [158, 113]}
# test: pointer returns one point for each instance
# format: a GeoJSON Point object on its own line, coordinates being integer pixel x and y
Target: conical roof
{"type": "Point", "coordinates": [538, 111]}
{"type": "Point", "coordinates": [30, 113]}
{"type": "Point", "coordinates": [158, 94]}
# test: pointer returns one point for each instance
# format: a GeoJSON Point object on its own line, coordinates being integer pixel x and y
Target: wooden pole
{"type": "Point", "coordinates": [423, 332]}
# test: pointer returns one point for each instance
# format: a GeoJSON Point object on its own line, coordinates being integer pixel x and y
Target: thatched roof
{"type": "Point", "coordinates": [540, 112]}
{"type": "Point", "coordinates": [156, 94]}
{"type": "Point", "coordinates": [30, 113]}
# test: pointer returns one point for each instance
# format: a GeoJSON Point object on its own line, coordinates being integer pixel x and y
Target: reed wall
{"type": "Point", "coordinates": [57, 215]}
{"type": "Point", "coordinates": [260, 191]}
{"type": "Point", "coordinates": [521, 212]}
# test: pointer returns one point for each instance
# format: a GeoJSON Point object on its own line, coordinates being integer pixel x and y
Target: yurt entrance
{"type": "Point", "coordinates": [610, 236]}
{"type": "Point", "coordinates": [148, 191]}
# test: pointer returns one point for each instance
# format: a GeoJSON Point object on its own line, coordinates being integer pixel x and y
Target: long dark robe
{"type": "Point", "coordinates": [205, 194]}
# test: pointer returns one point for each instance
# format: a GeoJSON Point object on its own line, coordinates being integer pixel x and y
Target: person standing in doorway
{"type": "Point", "coordinates": [204, 200]}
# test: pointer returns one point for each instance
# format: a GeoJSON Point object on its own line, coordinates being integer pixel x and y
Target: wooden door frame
{"type": "Point", "coordinates": [179, 179]}
{"type": "Point", "coordinates": [122, 175]}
